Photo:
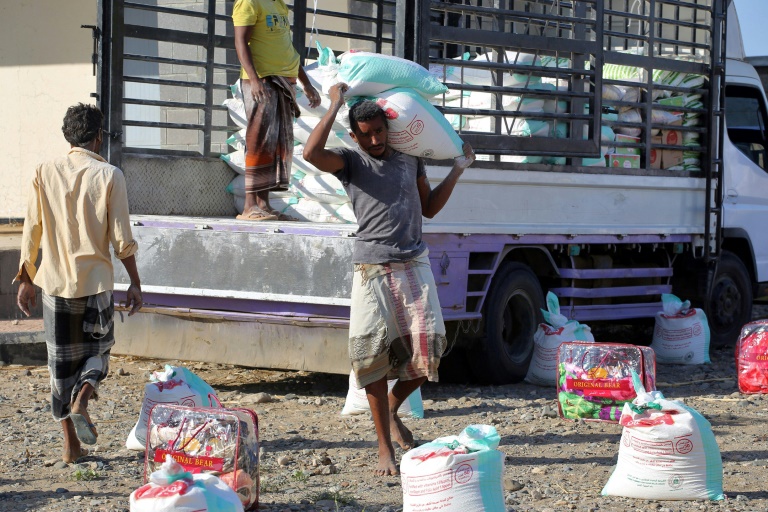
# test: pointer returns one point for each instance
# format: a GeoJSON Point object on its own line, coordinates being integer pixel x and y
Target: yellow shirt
{"type": "Point", "coordinates": [272, 50]}
{"type": "Point", "coordinates": [77, 206]}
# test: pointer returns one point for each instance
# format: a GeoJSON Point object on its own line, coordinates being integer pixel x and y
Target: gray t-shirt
{"type": "Point", "coordinates": [385, 199]}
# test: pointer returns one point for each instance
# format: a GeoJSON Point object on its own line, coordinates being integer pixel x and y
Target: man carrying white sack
{"type": "Point", "coordinates": [396, 328]}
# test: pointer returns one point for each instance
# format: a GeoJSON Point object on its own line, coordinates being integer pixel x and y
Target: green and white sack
{"type": "Point", "coordinates": [357, 401]}
{"type": "Point", "coordinates": [667, 452]}
{"type": "Point", "coordinates": [547, 339]}
{"type": "Point", "coordinates": [681, 334]}
{"type": "Point", "coordinates": [455, 473]}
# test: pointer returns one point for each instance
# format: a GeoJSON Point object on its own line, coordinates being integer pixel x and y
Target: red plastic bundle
{"type": "Point", "coordinates": [752, 357]}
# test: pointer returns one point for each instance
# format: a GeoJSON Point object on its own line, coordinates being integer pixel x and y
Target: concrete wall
{"type": "Point", "coordinates": [45, 66]}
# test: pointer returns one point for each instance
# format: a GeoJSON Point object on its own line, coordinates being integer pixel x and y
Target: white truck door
{"type": "Point", "coordinates": [745, 201]}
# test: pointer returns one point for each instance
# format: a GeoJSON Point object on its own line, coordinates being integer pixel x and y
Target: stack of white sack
{"type": "Point", "coordinates": [174, 385]}
{"type": "Point", "coordinates": [357, 401]}
{"type": "Point", "coordinates": [328, 203]}
{"type": "Point", "coordinates": [667, 452]}
{"type": "Point", "coordinates": [455, 473]}
{"type": "Point", "coordinates": [555, 330]}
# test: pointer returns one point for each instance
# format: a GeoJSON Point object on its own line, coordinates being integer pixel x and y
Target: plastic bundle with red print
{"type": "Point", "coordinates": [752, 357]}
{"type": "Point", "coordinates": [594, 381]}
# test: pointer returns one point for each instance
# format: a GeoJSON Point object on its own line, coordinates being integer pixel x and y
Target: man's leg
{"type": "Point", "coordinates": [379, 403]}
{"type": "Point", "coordinates": [399, 394]}
{"type": "Point", "coordinates": [72, 449]}
{"type": "Point", "coordinates": [80, 405]}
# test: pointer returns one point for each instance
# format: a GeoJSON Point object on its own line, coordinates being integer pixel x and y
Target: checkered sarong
{"type": "Point", "coordinates": [74, 356]}
{"type": "Point", "coordinates": [396, 328]}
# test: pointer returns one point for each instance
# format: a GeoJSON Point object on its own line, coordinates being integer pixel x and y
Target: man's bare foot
{"type": "Point", "coordinates": [387, 465]}
{"type": "Point", "coordinates": [71, 455]}
{"type": "Point", "coordinates": [400, 433]}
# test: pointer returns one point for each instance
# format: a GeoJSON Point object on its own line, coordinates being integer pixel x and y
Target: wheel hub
{"type": "Point", "coordinates": [727, 302]}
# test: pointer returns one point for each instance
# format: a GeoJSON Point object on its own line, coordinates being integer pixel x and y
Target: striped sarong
{"type": "Point", "coordinates": [269, 135]}
{"type": "Point", "coordinates": [74, 356]}
{"type": "Point", "coordinates": [396, 328]}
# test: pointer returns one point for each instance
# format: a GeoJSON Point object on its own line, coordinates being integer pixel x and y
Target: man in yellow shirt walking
{"type": "Point", "coordinates": [77, 206]}
{"type": "Point", "coordinates": [270, 67]}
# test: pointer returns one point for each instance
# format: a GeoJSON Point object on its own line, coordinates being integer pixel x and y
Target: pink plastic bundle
{"type": "Point", "coordinates": [752, 357]}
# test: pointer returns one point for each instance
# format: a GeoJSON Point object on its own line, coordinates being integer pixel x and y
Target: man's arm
{"type": "Point", "coordinates": [432, 201]}
{"type": "Point", "coordinates": [133, 297]}
{"type": "Point", "coordinates": [312, 95]}
{"type": "Point", "coordinates": [30, 246]}
{"type": "Point", "coordinates": [314, 150]}
{"type": "Point", "coordinates": [242, 36]}
{"type": "Point", "coordinates": [26, 298]}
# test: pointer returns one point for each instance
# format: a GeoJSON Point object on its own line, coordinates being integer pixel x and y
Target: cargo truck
{"type": "Point", "coordinates": [621, 154]}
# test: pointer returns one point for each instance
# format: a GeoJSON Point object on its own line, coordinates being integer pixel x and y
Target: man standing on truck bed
{"type": "Point", "coordinates": [396, 328]}
{"type": "Point", "coordinates": [270, 66]}
{"type": "Point", "coordinates": [77, 205]}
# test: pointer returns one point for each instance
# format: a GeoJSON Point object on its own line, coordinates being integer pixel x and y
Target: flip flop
{"type": "Point", "coordinates": [83, 429]}
{"type": "Point", "coordinates": [256, 214]}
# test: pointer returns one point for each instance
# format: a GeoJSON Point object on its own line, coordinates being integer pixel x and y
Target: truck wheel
{"type": "Point", "coordinates": [512, 314]}
{"type": "Point", "coordinates": [729, 305]}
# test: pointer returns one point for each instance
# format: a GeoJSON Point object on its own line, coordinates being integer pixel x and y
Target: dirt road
{"type": "Point", "coordinates": [551, 464]}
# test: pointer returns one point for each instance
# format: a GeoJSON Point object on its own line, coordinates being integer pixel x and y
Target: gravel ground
{"type": "Point", "coordinates": [551, 464]}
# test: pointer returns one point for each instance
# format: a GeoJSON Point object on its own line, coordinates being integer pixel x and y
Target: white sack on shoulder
{"type": "Point", "coordinates": [417, 128]}
{"type": "Point", "coordinates": [369, 74]}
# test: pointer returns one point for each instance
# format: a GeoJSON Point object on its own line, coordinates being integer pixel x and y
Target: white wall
{"type": "Point", "coordinates": [45, 66]}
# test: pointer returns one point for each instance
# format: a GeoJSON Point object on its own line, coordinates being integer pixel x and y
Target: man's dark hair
{"type": "Point", "coordinates": [82, 124]}
{"type": "Point", "coordinates": [364, 110]}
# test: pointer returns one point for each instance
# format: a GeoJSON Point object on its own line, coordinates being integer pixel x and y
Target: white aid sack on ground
{"type": "Point", "coordinates": [325, 188]}
{"type": "Point", "coordinates": [173, 385]}
{"type": "Point", "coordinates": [172, 489]}
{"type": "Point", "coordinates": [681, 334]}
{"type": "Point", "coordinates": [369, 74]}
{"type": "Point", "coordinates": [547, 339]}
{"type": "Point", "coordinates": [237, 140]}
{"type": "Point", "coordinates": [357, 401]}
{"type": "Point", "coordinates": [455, 474]}
{"type": "Point", "coordinates": [236, 109]}
{"type": "Point", "coordinates": [338, 138]}
{"type": "Point", "coordinates": [667, 452]}
{"type": "Point", "coordinates": [235, 160]}
{"type": "Point", "coordinates": [417, 128]}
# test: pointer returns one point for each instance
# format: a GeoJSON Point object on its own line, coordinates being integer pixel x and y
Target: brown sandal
{"type": "Point", "coordinates": [256, 214]}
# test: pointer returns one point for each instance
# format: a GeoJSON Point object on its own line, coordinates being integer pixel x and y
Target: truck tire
{"type": "Point", "coordinates": [729, 305]}
{"type": "Point", "coordinates": [512, 315]}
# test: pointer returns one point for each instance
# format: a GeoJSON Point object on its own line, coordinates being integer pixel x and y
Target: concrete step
{"type": "Point", "coordinates": [23, 342]}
